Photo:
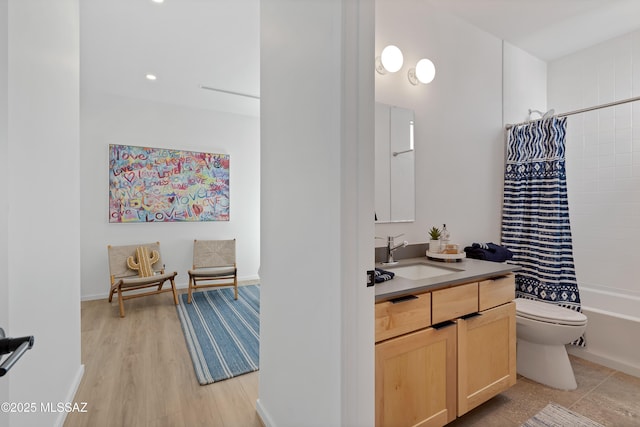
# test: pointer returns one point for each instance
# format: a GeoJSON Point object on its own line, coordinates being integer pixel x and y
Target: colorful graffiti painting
{"type": "Point", "coordinates": [162, 185]}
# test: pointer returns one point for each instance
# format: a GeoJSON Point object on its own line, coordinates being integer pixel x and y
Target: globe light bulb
{"type": "Point", "coordinates": [425, 71]}
{"type": "Point", "coordinates": [391, 58]}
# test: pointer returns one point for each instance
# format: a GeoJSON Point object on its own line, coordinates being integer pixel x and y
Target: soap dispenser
{"type": "Point", "coordinates": [444, 237]}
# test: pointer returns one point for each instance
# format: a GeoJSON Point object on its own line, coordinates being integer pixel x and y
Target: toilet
{"type": "Point", "coordinates": [542, 330]}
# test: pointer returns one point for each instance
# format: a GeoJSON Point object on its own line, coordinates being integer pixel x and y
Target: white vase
{"type": "Point", "coordinates": [434, 246]}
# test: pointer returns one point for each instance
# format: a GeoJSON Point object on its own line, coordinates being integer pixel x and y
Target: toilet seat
{"type": "Point", "coordinates": [548, 313]}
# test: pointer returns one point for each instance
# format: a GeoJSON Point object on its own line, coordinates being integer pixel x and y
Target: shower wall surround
{"type": "Point", "coordinates": [603, 163]}
{"type": "Point", "coordinates": [603, 176]}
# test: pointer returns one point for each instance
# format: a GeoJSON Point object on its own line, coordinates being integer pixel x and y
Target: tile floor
{"type": "Point", "coordinates": [609, 397]}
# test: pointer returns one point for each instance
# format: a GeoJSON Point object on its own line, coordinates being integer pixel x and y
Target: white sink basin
{"type": "Point", "coordinates": [420, 271]}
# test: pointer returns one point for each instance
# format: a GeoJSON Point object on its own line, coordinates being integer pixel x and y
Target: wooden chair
{"type": "Point", "coordinates": [214, 261]}
{"type": "Point", "coordinates": [129, 272]}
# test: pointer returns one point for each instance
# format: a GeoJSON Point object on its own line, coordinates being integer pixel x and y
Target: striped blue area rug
{"type": "Point", "coordinates": [222, 334]}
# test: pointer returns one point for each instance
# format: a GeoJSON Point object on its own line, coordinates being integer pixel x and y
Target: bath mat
{"type": "Point", "coordinates": [554, 415]}
{"type": "Point", "coordinates": [222, 334]}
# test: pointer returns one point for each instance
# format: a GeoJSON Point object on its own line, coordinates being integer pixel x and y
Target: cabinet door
{"type": "Point", "coordinates": [416, 379]}
{"type": "Point", "coordinates": [486, 355]}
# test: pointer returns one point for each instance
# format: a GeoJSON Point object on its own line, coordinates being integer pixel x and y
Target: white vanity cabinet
{"type": "Point", "coordinates": [440, 354]}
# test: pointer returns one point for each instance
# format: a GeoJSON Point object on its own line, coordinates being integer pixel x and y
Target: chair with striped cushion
{"type": "Point", "coordinates": [135, 267]}
{"type": "Point", "coordinates": [214, 264]}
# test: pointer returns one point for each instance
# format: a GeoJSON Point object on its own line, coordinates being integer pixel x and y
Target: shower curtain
{"type": "Point", "coordinates": [535, 220]}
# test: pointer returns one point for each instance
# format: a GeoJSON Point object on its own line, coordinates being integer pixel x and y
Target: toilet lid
{"type": "Point", "coordinates": [547, 312]}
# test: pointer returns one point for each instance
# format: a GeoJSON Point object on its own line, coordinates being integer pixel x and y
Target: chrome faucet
{"type": "Point", "coordinates": [391, 247]}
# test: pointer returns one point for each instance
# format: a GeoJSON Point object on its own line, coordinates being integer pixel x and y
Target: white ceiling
{"type": "Point", "coordinates": [548, 29]}
{"type": "Point", "coordinates": [216, 43]}
{"type": "Point", "coordinates": [185, 43]}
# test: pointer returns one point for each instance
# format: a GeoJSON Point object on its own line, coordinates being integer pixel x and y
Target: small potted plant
{"type": "Point", "coordinates": [434, 242]}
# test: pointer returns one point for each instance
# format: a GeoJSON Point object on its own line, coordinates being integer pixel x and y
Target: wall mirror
{"type": "Point", "coordinates": [394, 164]}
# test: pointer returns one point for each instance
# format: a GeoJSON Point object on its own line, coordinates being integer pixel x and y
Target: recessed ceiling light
{"type": "Point", "coordinates": [151, 77]}
{"type": "Point", "coordinates": [158, 1]}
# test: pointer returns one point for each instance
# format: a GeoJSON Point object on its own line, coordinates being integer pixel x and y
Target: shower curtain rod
{"type": "Point", "coordinates": [582, 110]}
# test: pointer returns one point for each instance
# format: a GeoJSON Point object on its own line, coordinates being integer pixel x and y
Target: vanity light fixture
{"type": "Point", "coordinates": [424, 72]}
{"type": "Point", "coordinates": [390, 60]}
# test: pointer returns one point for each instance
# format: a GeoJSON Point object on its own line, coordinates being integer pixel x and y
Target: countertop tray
{"type": "Point", "coordinates": [446, 257]}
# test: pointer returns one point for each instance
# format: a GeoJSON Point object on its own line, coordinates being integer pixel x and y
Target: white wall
{"type": "Point", "coordinates": [316, 314]}
{"type": "Point", "coordinates": [524, 84]}
{"type": "Point", "coordinates": [603, 179]}
{"type": "Point", "coordinates": [42, 282]}
{"type": "Point", "coordinates": [458, 132]}
{"type": "Point", "coordinates": [111, 119]}
{"type": "Point", "coordinates": [4, 194]}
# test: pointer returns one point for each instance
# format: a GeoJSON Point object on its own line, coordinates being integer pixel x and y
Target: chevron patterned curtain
{"type": "Point", "coordinates": [535, 221]}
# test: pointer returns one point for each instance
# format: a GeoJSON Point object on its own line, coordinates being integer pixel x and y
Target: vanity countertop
{"type": "Point", "coordinates": [465, 270]}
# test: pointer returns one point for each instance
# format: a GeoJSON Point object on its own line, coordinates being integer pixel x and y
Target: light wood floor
{"type": "Point", "coordinates": [138, 372]}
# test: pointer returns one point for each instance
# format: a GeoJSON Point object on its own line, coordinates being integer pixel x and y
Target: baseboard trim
{"type": "Point", "coordinates": [265, 418]}
{"type": "Point", "coordinates": [93, 297]}
{"type": "Point", "coordinates": [62, 416]}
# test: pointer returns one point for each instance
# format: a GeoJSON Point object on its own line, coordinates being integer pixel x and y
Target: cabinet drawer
{"type": "Point", "coordinates": [454, 302]}
{"type": "Point", "coordinates": [497, 291]}
{"type": "Point", "coordinates": [398, 317]}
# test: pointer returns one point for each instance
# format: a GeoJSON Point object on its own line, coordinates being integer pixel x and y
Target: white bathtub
{"type": "Point", "coordinates": [610, 303]}
{"type": "Point", "coordinates": [612, 330]}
